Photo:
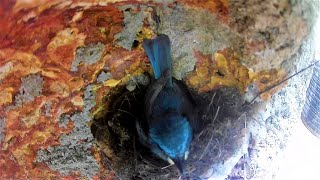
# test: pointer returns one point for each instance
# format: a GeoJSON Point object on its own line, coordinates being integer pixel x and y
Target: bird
{"type": "Point", "coordinates": [169, 108]}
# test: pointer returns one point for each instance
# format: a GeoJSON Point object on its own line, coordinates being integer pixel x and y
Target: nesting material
{"type": "Point", "coordinates": [224, 138]}
{"type": "Point", "coordinates": [218, 144]}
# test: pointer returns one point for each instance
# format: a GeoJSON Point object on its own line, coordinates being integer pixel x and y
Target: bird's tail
{"type": "Point", "coordinates": [158, 51]}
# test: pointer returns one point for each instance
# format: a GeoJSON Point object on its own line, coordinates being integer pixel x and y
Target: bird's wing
{"type": "Point", "coordinates": [189, 106]}
{"type": "Point", "coordinates": [154, 91]}
{"type": "Point", "coordinates": [144, 140]}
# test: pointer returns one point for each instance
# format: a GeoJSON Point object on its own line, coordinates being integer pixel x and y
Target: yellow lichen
{"type": "Point", "coordinates": [6, 96]}
{"type": "Point", "coordinates": [145, 33]}
{"type": "Point", "coordinates": [31, 118]}
{"type": "Point", "coordinates": [77, 101]}
{"type": "Point", "coordinates": [112, 82]}
{"type": "Point", "coordinates": [268, 80]}
{"type": "Point", "coordinates": [224, 69]}
{"type": "Point", "coordinates": [60, 88]}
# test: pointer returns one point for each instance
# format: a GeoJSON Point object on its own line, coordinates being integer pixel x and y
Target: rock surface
{"type": "Point", "coordinates": [61, 62]}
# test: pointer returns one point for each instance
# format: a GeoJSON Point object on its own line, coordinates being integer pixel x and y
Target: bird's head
{"type": "Point", "coordinates": [173, 137]}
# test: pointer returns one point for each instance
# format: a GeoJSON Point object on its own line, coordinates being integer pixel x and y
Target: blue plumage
{"type": "Point", "coordinates": [158, 51]}
{"type": "Point", "coordinates": [169, 109]}
{"type": "Point", "coordinates": [175, 140]}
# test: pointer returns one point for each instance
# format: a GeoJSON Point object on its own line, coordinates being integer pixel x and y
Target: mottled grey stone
{"type": "Point", "coordinates": [47, 107]}
{"type": "Point", "coordinates": [31, 87]}
{"type": "Point", "coordinates": [73, 154]}
{"type": "Point", "coordinates": [190, 30]}
{"type": "Point", "coordinates": [63, 120]}
{"type": "Point", "coordinates": [2, 128]}
{"type": "Point", "coordinates": [135, 81]}
{"type": "Point", "coordinates": [133, 23]}
{"type": "Point", "coordinates": [89, 100]}
{"type": "Point", "coordinates": [103, 76]}
{"type": "Point", "coordinates": [66, 160]}
{"type": "Point", "coordinates": [88, 55]}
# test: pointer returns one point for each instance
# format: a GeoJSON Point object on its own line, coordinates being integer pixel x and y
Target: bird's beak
{"type": "Point", "coordinates": [180, 163]}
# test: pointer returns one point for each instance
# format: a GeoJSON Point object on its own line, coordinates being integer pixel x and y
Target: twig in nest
{"type": "Point", "coordinates": [216, 115]}
{"type": "Point", "coordinates": [134, 96]}
{"type": "Point", "coordinates": [126, 99]}
{"type": "Point", "coordinates": [99, 125]}
{"type": "Point", "coordinates": [127, 113]}
{"type": "Point", "coordinates": [208, 128]}
{"type": "Point", "coordinates": [117, 101]}
{"type": "Point", "coordinates": [137, 84]}
{"type": "Point", "coordinates": [198, 136]}
{"type": "Point", "coordinates": [165, 167]}
{"type": "Point", "coordinates": [220, 147]}
{"type": "Point", "coordinates": [215, 147]}
{"type": "Point", "coordinates": [148, 162]}
{"type": "Point", "coordinates": [211, 102]}
{"type": "Point", "coordinates": [206, 148]}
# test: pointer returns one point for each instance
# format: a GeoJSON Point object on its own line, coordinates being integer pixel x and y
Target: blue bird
{"type": "Point", "coordinates": [169, 108]}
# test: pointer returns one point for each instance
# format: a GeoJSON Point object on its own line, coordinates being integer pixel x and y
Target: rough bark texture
{"type": "Point", "coordinates": [63, 64]}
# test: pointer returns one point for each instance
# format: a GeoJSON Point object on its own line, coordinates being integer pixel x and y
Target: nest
{"type": "Point", "coordinates": [221, 135]}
